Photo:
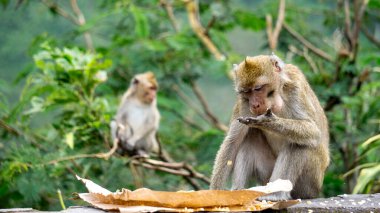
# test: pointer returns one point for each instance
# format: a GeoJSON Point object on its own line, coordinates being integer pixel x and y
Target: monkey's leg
{"type": "Point", "coordinates": [254, 159]}
{"type": "Point", "coordinates": [223, 164]}
{"type": "Point", "coordinates": [310, 182]}
{"type": "Point", "coordinates": [243, 165]}
{"type": "Point", "coordinates": [226, 155]}
{"type": "Point", "coordinates": [290, 164]}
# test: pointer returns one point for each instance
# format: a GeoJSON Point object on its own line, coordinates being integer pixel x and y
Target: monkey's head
{"type": "Point", "coordinates": [258, 82]}
{"type": "Point", "coordinates": [145, 87]}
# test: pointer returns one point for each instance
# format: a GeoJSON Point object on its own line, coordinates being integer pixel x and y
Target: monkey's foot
{"type": "Point", "coordinates": [278, 196]}
{"type": "Point", "coordinates": [142, 154]}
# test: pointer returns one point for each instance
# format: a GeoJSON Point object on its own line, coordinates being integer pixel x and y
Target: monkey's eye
{"type": "Point", "coordinates": [153, 88]}
{"type": "Point", "coordinates": [244, 91]}
{"type": "Point", "coordinates": [258, 88]}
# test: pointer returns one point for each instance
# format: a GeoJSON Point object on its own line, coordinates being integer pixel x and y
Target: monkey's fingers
{"type": "Point", "coordinates": [242, 120]}
{"type": "Point", "coordinates": [269, 113]}
{"type": "Point", "coordinates": [247, 120]}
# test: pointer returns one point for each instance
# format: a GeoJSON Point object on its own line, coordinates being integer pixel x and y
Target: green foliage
{"type": "Point", "coordinates": [368, 180]}
{"type": "Point", "coordinates": [249, 20]}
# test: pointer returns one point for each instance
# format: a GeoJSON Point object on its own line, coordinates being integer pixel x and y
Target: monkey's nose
{"type": "Point", "coordinates": [259, 110]}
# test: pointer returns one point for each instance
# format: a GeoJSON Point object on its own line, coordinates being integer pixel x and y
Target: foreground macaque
{"type": "Point", "coordinates": [137, 118]}
{"type": "Point", "coordinates": [278, 130]}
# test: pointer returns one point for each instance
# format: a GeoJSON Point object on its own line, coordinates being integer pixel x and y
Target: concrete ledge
{"type": "Point", "coordinates": [342, 203]}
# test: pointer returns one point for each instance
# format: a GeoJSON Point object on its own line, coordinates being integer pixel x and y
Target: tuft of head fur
{"type": "Point", "coordinates": [253, 67]}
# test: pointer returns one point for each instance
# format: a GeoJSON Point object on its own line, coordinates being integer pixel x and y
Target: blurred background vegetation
{"type": "Point", "coordinates": [55, 101]}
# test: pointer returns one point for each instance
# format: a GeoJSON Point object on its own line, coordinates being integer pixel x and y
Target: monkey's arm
{"type": "Point", "coordinates": [226, 155]}
{"type": "Point", "coordinates": [303, 132]}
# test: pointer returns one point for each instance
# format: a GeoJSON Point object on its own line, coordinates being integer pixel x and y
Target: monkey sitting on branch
{"type": "Point", "coordinates": [278, 130]}
{"type": "Point", "coordinates": [137, 119]}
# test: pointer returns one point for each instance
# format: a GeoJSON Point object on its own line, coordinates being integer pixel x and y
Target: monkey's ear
{"type": "Point", "coordinates": [235, 67]}
{"type": "Point", "coordinates": [135, 81]}
{"type": "Point", "coordinates": [277, 62]}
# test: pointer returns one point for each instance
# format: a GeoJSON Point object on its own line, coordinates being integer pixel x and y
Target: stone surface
{"type": "Point", "coordinates": [342, 203]}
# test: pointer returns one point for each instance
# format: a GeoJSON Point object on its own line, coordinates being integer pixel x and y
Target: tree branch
{"type": "Point", "coordinates": [273, 35]}
{"type": "Point", "coordinates": [307, 44]}
{"type": "Point", "coordinates": [169, 10]}
{"type": "Point", "coordinates": [359, 12]}
{"type": "Point", "coordinates": [206, 108]}
{"type": "Point", "coordinates": [82, 21]}
{"type": "Point", "coordinates": [189, 102]}
{"type": "Point", "coordinates": [54, 7]}
{"type": "Point", "coordinates": [181, 169]}
{"type": "Point", "coordinates": [370, 37]}
{"type": "Point", "coordinates": [347, 23]}
{"type": "Point", "coordinates": [105, 156]}
{"type": "Point", "coordinates": [8, 128]}
{"type": "Point", "coordinates": [192, 11]}
{"type": "Point", "coordinates": [183, 118]}
{"type": "Point", "coordinates": [210, 24]}
{"type": "Point", "coordinates": [307, 57]}
{"type": "Point", "coordinates": [78, 20]}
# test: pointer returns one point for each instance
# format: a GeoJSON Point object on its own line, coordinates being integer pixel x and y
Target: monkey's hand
{"type": "Point", "coordinates": [256, 121]}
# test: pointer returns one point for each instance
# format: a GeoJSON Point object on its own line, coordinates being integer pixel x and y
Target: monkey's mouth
{"type": "Point", "coordinates": [256, 113]}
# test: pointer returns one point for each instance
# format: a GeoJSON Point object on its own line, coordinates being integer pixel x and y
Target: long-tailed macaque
{"type": "Point", "coordinates": [137, 118]}
{"type": "Point", "coordinates": [278, 130]}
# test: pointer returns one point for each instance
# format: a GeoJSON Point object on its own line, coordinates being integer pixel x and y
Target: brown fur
{"type": "Point", "coordinates": [283, 135]}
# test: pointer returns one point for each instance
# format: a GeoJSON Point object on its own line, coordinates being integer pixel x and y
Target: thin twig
{"type": "Point", "coordinates": [192, 11]}
{"type": "Point", "coordinates": [347, 23]}
{"type": "Point", "coordinates": [186, 120]}
{"type": "Point", "coordinates": [165, 169]}
{"type": "Point", "coordinates": [8, 128]}
{"type": "Point", "coordinates": [269, 29]}
{"type": "Point", "coordinates": [206, 108]}
{"type": "Point", "coordinates": [370, 37]}
{"type": "Point", "coordinates": [210, 24]}
{"type": "Point", "coordinates": [280, 21]}
{"type": "Point", "coordinates": [169, 10]}
{"type": "Point", "coordinates": [136, 176]}
{"type": "Point", "coordinates": [359, 12]}
{"type": "Point", "coordinates": [164, 164]}
{"type": "Point", "coordinates": [105, 156]}
{"type": "Point", "coordinates": [307, 57]}
{"type": "Point", "coordinates": [181, 169]}
{"type": "Point", "coordinates": [307, 44]}
{"type": "Point", "coordinates": [54, 7]}
{"type": "Point", "coordinates": [82, 21]}
{"type": "Point", "coordinates": [273, 35]}
{"type": "Point", "coordinates": [189, 102]}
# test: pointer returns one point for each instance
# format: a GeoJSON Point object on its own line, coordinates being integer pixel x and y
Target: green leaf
{"type": "Point", "coordinates": [5, 3]}
{"type": "Point", "coordinates": [69, 139]}
{"type": "Point", "coordinates": [365, 177]}
{"type": "Point", "coordinates": [249, 21]}
{"type": "Point", "coordinates": [37, 105]}
{"type": "Point", "coordinates": [141, 22]}
{"type": "Point", "coordinates": [371, 140]}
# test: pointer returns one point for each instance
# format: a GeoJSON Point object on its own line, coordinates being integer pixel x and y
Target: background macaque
{"type": "Point", "coordinates": [137, 118]}
{"type": "Point", "coordinates": [278, 130]}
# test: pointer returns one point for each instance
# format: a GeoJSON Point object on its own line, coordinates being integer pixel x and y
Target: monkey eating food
{"type": "Point", "coordinates": [137, 118]}
{"type": "Point", "coordinates": [278, 130]}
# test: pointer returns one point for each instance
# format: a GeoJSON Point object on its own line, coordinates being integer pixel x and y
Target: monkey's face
{"type": "Point", "coordinates": [257, 82]}
{"type": "Point", "coordinates": [145, 86]}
